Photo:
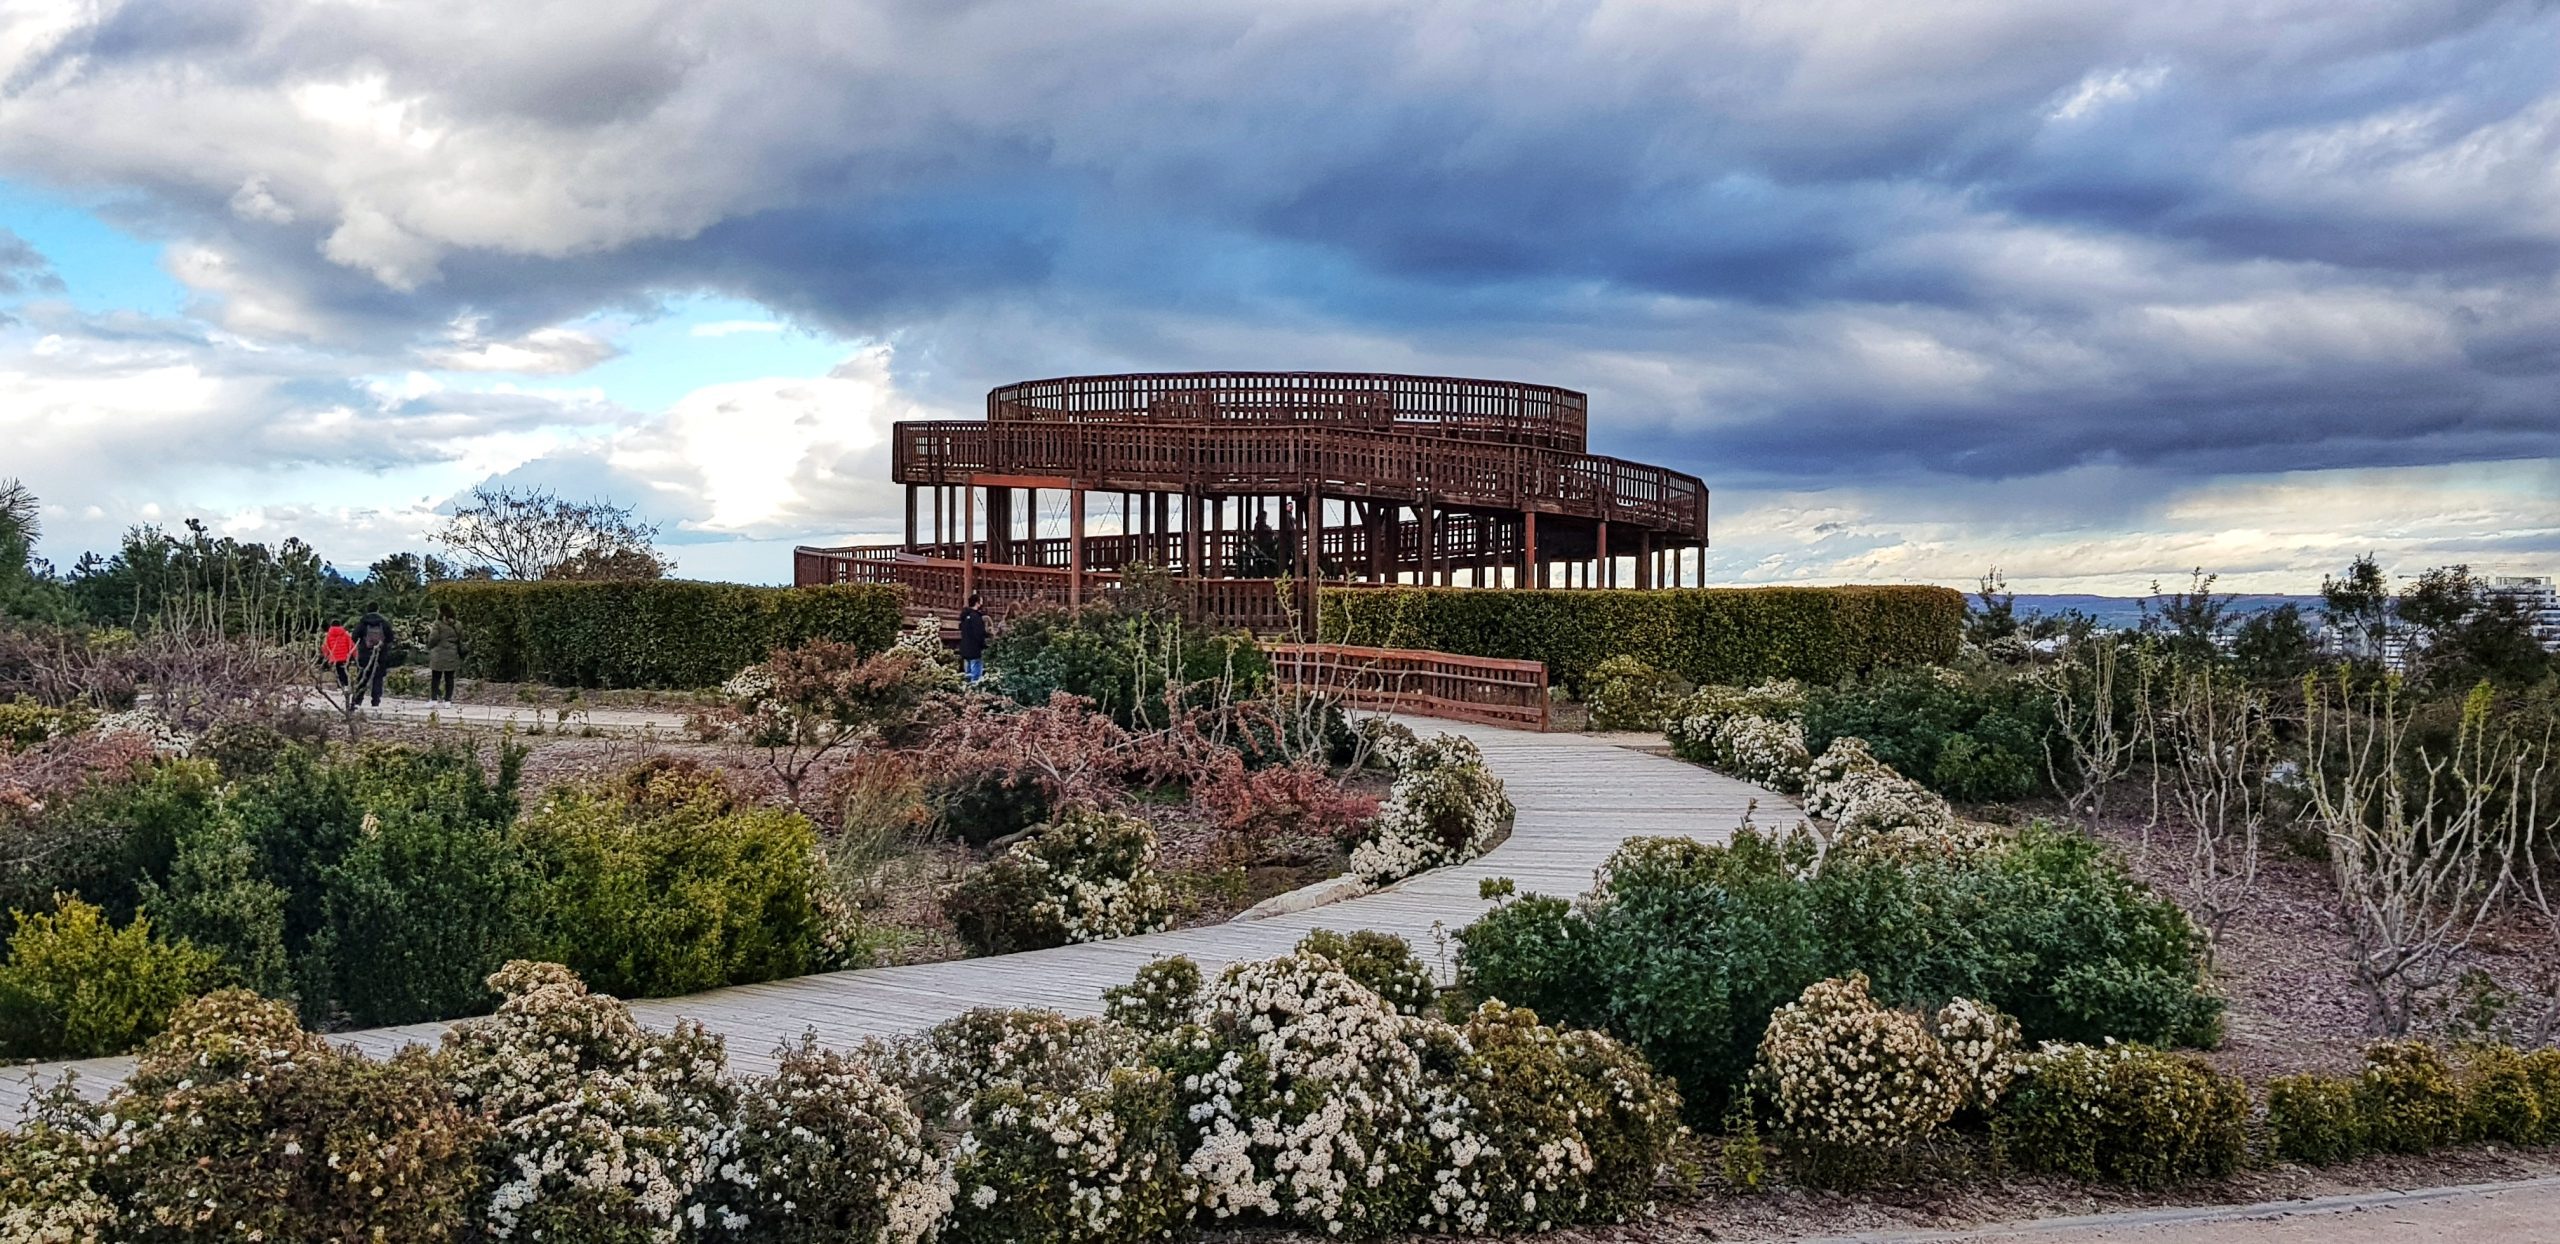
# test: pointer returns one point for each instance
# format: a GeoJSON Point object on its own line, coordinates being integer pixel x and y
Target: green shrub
{"type": "Point", "coordinates": [671, 886]}
{"type": "Point", "coordinates": [76, 986]}
{"type": "Point", "coordinates": [2408, 1098]}
{"type": "Point", "coordinates": [1382, 961]}
{"type": "Point", "coordinates": [2125, 1114]}
{"type": "Point", "coordinates": [1702, 635]}
{"type": "Point", "coordinates": [25, 723]}
{"type": "Point", "coordinates": [2542, 1067]}
{"type": "Point", "coordinates": [1684, 949]}
{"type": "Point", "coordinates": [383, 878]}
{"type": "Point", "coordinates": [946, 1067]}
{"type": "Point", "coordinates": [1125, 661]}
{"type": "Point", "coordinates": [2500, 1101]}
{"type": "Point", "coordinates": [237, 1124]}
{"type": "Point", "coordinates": [1626, 694]}
{"type": "Point", "coordinates": [657, 632]}
{"type": "Point", "coordinates": [101, 842]}
{"type": "Point", "coordinates": [980, 807]}
{"type": "Point", "coordinates": [1681, 949]}
{"type": "Point", "coordinates": [2313, 1118]}
{"type": "Point", "coordinates": [1977, 739]}
{"type": "Point", "coordinates": [1085, 877]}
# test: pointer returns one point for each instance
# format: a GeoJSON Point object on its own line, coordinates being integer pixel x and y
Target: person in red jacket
{"type": "Point", "coordinates": [339, 647]}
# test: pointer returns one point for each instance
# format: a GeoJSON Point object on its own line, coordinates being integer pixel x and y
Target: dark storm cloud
{"type": "Point", "coordinates": [1799, 242]}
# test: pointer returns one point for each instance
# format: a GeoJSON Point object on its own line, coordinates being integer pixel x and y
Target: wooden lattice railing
{"type": "Point", "coordinates": [1431, 684]}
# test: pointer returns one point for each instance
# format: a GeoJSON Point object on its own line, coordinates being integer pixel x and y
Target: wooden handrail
{"type": "Point", "coordinates": [1434, 684]}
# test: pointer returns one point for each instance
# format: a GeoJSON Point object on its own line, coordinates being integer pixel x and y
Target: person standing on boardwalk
{"type": "Point", "coordinates": [973, 638]}
{"type": "Point", "coordinates": [337, 648]}
{"type": "Point", "coordinates": [373, 654]}
{"type": "Point", "coordinates": [444, 654]}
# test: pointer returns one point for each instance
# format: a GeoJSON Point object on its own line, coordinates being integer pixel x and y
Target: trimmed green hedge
{"type": "Point", "coordinates": [655, 632]}
{"type": "Point", "coordinates": [1706, 635]}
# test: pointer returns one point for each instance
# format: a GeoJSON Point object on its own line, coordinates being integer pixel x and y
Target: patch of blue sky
{"type": "Point", "coordinates": [102, 267]}
{"type": "Point", "coordinates": [700, 340]}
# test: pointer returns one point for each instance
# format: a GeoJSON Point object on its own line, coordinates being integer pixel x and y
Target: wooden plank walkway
{"type": "Point", "coordinates": [1578, 797]}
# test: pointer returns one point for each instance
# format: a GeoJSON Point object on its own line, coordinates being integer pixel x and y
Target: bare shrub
{"type": "Point", "coordinates": [2419, 843]}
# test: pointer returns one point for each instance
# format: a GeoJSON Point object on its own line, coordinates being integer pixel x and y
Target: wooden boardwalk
{"type": "Point", "coordinates": [1578, 797]}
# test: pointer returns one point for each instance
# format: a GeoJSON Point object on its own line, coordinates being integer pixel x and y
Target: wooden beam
{"type": "Point", "coordinates": [968, 543]}
{"type": "Point", "coordinates": [1075, 548]}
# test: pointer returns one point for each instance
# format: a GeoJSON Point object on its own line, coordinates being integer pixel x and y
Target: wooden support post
{"type": "Point", "coordinates": [911, 516]}
{"type": "Point", "coordinates": [1031, 522]}
{"type": "Point", "coordinates": [1430, 542]}
{"type": "Point", "coordinates": [1532, 574]}
{"type": "Point", "coordinates": [968, 542]}
{"type": "Point", "coordinates": [1606, 573]}
{"type": "Point", "coordinates": [1075, 548]}
{"type": "Point", "coordinates": [1160, 547]}
{"type": "Point", "coordinates": [941, 529]}
{"type": "Point", "coordinates": [1191, 534]}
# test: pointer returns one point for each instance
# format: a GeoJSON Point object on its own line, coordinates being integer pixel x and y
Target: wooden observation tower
{"type": "Point", "coordinates": [1254, 488]}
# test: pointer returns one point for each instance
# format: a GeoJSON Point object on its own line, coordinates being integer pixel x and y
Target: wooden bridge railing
{"type": "Point", "coordinates": [1432, 684]}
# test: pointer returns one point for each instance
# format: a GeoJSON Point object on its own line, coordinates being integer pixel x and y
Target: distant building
{"type": "Point", "coordinates": [2535, 596]}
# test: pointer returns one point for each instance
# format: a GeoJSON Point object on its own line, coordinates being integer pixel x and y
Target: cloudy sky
{"type": "Point", "coordinates": [2093, 291]}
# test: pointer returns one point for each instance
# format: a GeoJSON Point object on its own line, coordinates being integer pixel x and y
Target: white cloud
{"type": "Point", "coordinates": [2103, 89]}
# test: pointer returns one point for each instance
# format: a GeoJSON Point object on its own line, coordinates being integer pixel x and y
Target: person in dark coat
{"type": "Point", "coordinates": [374, 642]}
{"type": "Point", "coordinates": [444, 654]}
{"type": "Point", "coordinates": [973, 638]}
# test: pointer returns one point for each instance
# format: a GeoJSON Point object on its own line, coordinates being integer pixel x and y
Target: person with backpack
{"type": "Point", "coordinates": [444, 654]}
{"type": "Point", "coordinates": [375, 645]}
{"type": "Point", "coordinates": [973, 638]}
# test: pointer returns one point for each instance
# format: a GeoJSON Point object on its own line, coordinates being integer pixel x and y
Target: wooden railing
{"type": "Point", "coordinates": [1444, 406]}
{"type": "Point", "coordinates": [1431, 684]}
{"type": "Point", "coordinates": [1339, 462]}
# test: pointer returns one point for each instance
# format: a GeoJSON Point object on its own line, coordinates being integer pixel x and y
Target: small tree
{"type": "Point", "coordinates": [1996, 614]}
{"type": "Point", "coordinates": [2275, 645]}
{"type": "Point", "coordinates": [2419, 843]}
{"type": "Point", "coordinates": [2357, 607]}
{"type": "Point", "coordinates": [2191, 622]}
{"type": "Point", "coordinates": [2097, 744]}
{"type": "Point", "coordinates": [537, 534]}
{"type": "Point", "coordinates": [2216, 731]}
{"type": "Point", "coordinates": [804, 704]}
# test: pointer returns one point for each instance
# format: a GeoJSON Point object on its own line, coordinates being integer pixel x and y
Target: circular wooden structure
{"type": "Point", "coordinates": [1253, 488]}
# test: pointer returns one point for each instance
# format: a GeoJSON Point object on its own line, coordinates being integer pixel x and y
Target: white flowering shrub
{"type": "Point", "coordinates": [1085, 877]}
{"type": "Point", "coordinates": [924, 638]}
{"type": "Point", "coordinates": [1983, 1042]}
{"type": "Point", "coordinates": [1691, 723]}
{"type": "Point", "coordinates": [1446, 807]}
{"type": "Point", "coordinates": [1301, 1098]}
{"type": "Point", "coordinates": [1382, 961]}
{"type": "Point", "coordinates": [1872, 808]}
{"type": "Point", "coordinates": [1058, 1129]}
{"type": "Point", "coordinates": [1532, 1127]}
{"type": "Point", "coordinates": [599, 1130]}
{"type": "Point", "coordinates": [239, 1125]}
{"type": "Point", "coordinates": [822, 1151]}
{"type": "Point", "coordinates": [48, 1166]}
{"type": "Point", "coordinates": [1159, 999]}
{"type": "Point", "coordinates": [947, 1066]}
{"type": "Point", "coordinates": [1099, 1163]}
{"type": "Point", "coordinates": [1845, 1076]}
{"type": "Point", "coordinates": [1766, 750]}
{"type": "Point", "coordinates": [163, 738]}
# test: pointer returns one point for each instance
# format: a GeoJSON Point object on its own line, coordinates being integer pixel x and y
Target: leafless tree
{"type": "Point", "coordinates": [537, 534]}
{"type": "Point", "coordinates": [2097, 745]}
{"type": "Point", "coordinates": [2216, 731]}
{"type": "Point", "coordinates": [2419, 844]}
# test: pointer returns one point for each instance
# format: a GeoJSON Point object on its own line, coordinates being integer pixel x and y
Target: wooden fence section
{"type": "Point", "coordinates": [1432, 684]}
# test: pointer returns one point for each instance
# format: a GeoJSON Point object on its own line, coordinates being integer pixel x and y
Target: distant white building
{"type": "Point", "coordinates": [2536, 596]}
